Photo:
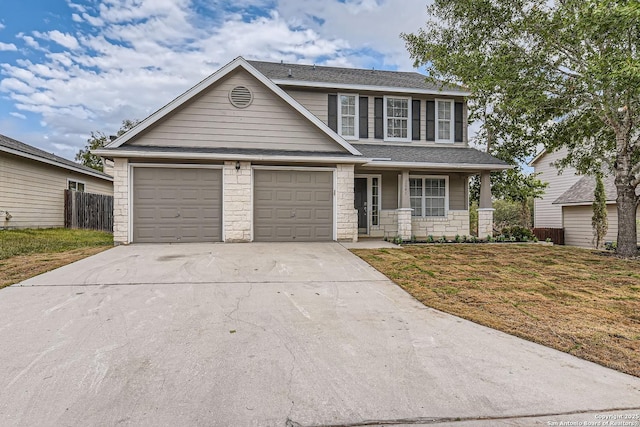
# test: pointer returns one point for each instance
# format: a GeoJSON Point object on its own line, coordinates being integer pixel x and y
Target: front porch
{"type": "Point", "coordinates": [415, 204]}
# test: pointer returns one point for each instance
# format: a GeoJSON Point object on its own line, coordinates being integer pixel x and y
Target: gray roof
{"type": "Point", "coordinates": [31, 151]}
{"type": "Point", "coordinates": [422, 154]}
{"type": "Point", "coordinates": [379, 153]}
{"type": "Point", "coordinates": [582, 191]}
{"type": "Point", "coordinates": [231, 151]}
{"type": "Point", "coordinates": [349, 76]}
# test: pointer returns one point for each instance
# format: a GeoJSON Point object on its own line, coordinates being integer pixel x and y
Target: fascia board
{"type": "Point", "coordinates": [425, 165]}
{"type": "Point", "coordinates": [216, 156]}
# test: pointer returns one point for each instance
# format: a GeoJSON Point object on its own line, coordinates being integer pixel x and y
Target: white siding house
{"type": "Point", "coordinates": [545, 213]}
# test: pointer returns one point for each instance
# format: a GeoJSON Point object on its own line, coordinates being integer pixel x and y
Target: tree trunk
{"type": "Point", "coordinates": [627, 202]}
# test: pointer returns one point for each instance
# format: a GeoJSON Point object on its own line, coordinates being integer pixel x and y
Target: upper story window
{"type": "Point", "coordinates": [428, 196]}
{"type": "Point", "coordinates": [444, 120]}
{"type": "Point", "coordinates": [397, 118]}
{"type": "Point", "coordinates": [75, 185]}
{"type": "Point", "coordinates": [348, 116]}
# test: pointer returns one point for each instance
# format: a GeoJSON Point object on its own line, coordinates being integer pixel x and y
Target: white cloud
{"type": "Point", "coordinates": [18, 115]}
{"type": "Point", "coordinates": [8, 47]}
{"type": "Point", "coordinates": [63, 39]}
{"type": "Point", "coordinates": [127, 58]}
{"type": "Point", "coordinates": [2, 26]}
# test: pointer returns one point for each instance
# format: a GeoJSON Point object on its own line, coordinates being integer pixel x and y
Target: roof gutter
{"type": "Point", "coordinates": [426, 165]}
{"type": "Point", "coordinates": [217, 156]}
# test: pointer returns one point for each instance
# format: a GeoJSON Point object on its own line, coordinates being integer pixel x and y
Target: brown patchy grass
{"type": "Point", "coordinates": [582, 302]}
{"type": "Point", "coordinates": [28, 252]}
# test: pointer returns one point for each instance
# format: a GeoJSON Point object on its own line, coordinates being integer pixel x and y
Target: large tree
{"type": "Point", "coordinates": [98, 140]}
{"type": "Point", "coordinates": [560, 74]}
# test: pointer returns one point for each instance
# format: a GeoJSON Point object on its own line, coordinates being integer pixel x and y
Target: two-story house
{"type": "Point", "coordinates": [263, 151]}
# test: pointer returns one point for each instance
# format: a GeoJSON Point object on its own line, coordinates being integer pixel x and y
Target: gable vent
{"type": "Point", "coordinates": [240, 97]}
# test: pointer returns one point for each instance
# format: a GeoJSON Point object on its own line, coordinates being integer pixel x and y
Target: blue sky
{"type": "Point", "coordinates": [69, 67]}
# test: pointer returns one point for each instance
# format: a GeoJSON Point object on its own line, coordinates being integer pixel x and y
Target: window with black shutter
{"type": "Point", "coordinates": [332, 109]}
{"type": "Point", "coordinates": [415, 120]}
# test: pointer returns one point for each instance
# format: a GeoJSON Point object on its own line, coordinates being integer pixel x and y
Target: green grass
{"type": "Point", "coordinates": [49, 240]}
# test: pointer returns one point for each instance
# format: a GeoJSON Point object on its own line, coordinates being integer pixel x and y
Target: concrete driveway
{"type": "Point", "coordinates": [271, 335]}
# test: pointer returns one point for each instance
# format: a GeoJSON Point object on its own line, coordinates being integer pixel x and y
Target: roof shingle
{"type": "Point", "coordinates": [21, 147]}
{"type": "Point", "coordinates": [349, 76]}
{"type": "Point", "coordinates": [422, 154]}
{"type": "Point", "coordinates": [583, 191]}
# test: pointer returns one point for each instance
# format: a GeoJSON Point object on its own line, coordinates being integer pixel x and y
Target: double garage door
{"type": "Point", "coordinates": [185, 205]}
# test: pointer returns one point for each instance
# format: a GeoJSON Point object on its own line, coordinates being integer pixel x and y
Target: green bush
{"type": "Point", "coordinates": [517, 233]}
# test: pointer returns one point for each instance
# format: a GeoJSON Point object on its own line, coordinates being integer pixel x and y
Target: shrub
{"type": "Point", "coordinates": [517, 233]}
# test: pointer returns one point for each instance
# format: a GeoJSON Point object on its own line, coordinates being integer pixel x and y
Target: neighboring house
{"type": "Point", "coordinates": [567, 202]}
{"type": "Point", "coordinates": [264, 151]}
{"type": "Point", "coordinates": [545, 213]}
{"type": "Point", "coordinates": [577, 210]}
{"type": "Point", "coordinates": [32, 184]}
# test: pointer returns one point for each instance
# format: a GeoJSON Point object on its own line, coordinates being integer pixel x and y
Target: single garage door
{"type": "Point", "coordinates": [177, 205]}
{"type": "Point", "coordinates": [293, 205]}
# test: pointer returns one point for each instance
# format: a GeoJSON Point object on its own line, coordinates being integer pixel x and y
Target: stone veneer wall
{"type": "Point", "coordinates": [388, 224]}
{"type": "Point", "coordinates": [120, 202]}
{"type": "Point", "coordinates": [456, 222]}
{"type": "Point", "coordinates": [347, 215]}
{"type": "Point", "coordinates": [236, 206]}
{"type": "Point", "coordinates": [485, 222]}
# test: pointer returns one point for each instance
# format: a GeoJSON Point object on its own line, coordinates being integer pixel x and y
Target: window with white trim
{"type": "Point", "coordinates": [428, 196]}
{"type": "Point", "coordinates": [75, 185]}
{"type": "Point", "coordinates": [397, 119]}
{"type": "Point", "coordinates": [375, 201]}
{"type": "Point", "coordinates": [348, 116]}
{"type": "Point", "coordinates": [444, 120]}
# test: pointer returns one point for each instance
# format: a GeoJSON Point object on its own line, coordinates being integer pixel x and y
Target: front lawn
{"type": "Point", "coordinates": [29, 252]}
{"type": "Point", "coordinates": [582, 302]}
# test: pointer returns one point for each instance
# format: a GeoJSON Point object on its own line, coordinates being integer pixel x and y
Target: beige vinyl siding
{"type": "Point", "coordinates": [458, 187]}
{"type": "Point", "coordinates": [33, 192]}
{"type": "Point", "coordinates": [546, 214]}
{"type": "Point", "coordinates": [389, 190]}
{"type": "Point", "coordinates": [210, 120]}
{"type": "Point", "coordinates": [577, 225]}
{"type": "Point", "coordinates": [315, 102]}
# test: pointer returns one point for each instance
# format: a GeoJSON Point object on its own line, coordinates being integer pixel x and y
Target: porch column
{"type": "Point", "coordinates": [404, 210]}
{"type": "Point", "coordinates": [485, 210]}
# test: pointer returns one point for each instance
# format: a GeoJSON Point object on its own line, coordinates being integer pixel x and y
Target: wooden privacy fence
{"type": "Point", "coordinates": [87, 210]}
{"type": "Point", "coordinates": [555, 234]}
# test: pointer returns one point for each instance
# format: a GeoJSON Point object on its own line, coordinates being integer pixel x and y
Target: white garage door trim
{"type": "Point", "coordinates": [298, 168]}
{"type": "Point", "coordinates": [131, 172]}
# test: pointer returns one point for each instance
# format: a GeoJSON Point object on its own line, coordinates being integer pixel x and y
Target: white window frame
{"type": "Point", "coordinates": [408, 119]}
{"type": "Point", "coordinates": [422, 198]}
{"type": "Point", "coordinates": [452, 126]}
{"type": "Point", "coordinates": [84, 185]}
{"type": "Point", "coordinates": [369, 177]}
{"type": "Point", "coordinates": [356, 124]}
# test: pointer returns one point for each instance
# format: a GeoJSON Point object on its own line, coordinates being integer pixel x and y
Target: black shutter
{"type": "Point", "coordinates": [333, 112]}
{"type": "Point", "coordinates": [458, 123]}
{"type": "Point", "coordinates": [364, 117]}
{"type": "Point", "coordinates": [378, 115]}
{"type": "Point", "coordinates": [415, 120]}
{"type": "Point", "coordinates": [431, 121]}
